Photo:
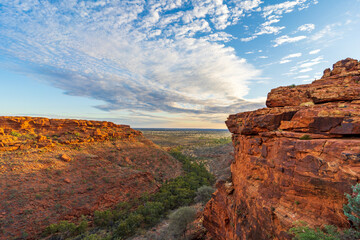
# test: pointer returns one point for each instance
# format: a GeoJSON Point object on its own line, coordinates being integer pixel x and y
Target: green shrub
{"type": "Point", "coordinates": [352, 209]}
{"type": "Point", "coordinates": [305, 137]}
{"type": "Point", "coordinates": [129, 226]}
{"type": "Point", "coordinates": [66, 228]}
{"type": "Point", "coordinates": [103, 218]}
{"type": "Point", "coordinates": [203, 194]}
{"type": "Point", "coordinates": [303, 232]}
{"type": "Point", "coordinates": [180, 221]}
{"type": "Point", "coordinates": [152, 212]}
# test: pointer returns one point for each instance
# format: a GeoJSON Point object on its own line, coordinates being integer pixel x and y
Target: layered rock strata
{"type": "Point", "coordinates": [294, 160]}
{"type": "Point", "coordinates": [60, 169]}
{"type": "Point", "coordinates": [34, 132]}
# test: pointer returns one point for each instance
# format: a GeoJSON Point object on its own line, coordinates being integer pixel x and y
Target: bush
{"type": "Point", "coordinates": [66, 228]}
{"type": "Point", "coordinates": [152, 212]}
{"type": "Point", "coordinates": [203, 194]}
{"type": "Point", "coordinates": [352, 209]}
{"type": "Point", "coordinates": [180, 221]}
{"type": "Point", "coordinates": [129, 226]}
{"type": "Point", "coordinates": [103, 218]}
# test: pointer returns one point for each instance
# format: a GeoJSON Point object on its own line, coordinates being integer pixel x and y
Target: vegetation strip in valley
{"type": "Point", "coordinates": [128, 217]}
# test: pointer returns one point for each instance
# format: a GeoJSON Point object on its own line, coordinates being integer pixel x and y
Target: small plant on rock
{"type": "Point", "coordinates": [305, 137]}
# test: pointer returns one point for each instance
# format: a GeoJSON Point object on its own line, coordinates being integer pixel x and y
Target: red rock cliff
{"type": "Point", "coordinates": [60, 169]}
{"type": "Point", "coordinates": [293, 160]}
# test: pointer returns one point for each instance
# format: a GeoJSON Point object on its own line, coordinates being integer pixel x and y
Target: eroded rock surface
{"type": "Point", "coordinates": [293, 160]}
{"type": "Point", "coordinates": [61, 169]}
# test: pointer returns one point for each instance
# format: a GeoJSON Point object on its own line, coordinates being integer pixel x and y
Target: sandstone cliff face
{"type": "Point", "coordinates": [293, 160]}
{"type": "Point", "coordinates": [30, 132]}
{"type": "Point", "coordinates": [60, 169]}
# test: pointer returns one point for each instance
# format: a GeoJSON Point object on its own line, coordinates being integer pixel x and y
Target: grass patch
{"type": "Point", "coordinates": [305, 137]}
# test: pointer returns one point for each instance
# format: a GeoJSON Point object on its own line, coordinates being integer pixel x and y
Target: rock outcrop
{"type": "Point", "coordinates": [293, 160]}
{"type": "Point", "coordinates": [34, 132]}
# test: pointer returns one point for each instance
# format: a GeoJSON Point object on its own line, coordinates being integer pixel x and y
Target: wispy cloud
{"type": "Point", "coordinates": [287, 58]}
{"type": "Point", "coordinates": [248, 39]}
{"type": "Point", "coordinates": [146, 59]}
{"type": "Point", "coordinates": [307, 27]}
{"type": "Point", "coordinates": [272, 15]}
{"type": "Point", "coordinates": [302, 77]}
{"type": "Point", "coordinates": [331, 32]}
{"type": "Point", "coordinates": [286, 39]}
{"type": "Point", "coordinates": [314, 51]}
{"type": "Point", "coordinates": [293, 55]}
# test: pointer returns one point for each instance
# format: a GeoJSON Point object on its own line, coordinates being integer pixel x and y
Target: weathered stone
{"type": "Point", "coordinates": [65, 158]}
{"type": "Point", "coordinates": [293, 161]}
{"type": "Point", "coordinates": [340, 84]}
{"type": "Point", "coordinates": [44, 132]}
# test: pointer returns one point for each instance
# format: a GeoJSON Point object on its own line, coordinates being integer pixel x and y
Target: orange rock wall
{"type": "Point", "coordinates": [34, 132]}
{"type": "Point", "coordinates": [293, 161]}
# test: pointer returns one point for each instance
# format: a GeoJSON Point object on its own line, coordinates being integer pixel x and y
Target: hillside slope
{"type": "Point", "coordinates": [293, 160]}
{"type": "Point", "coordinates": [60, 169]}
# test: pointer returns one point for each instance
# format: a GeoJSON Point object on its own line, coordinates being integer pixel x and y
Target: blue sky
{"type": "Point", "coordinates": [165, 63]}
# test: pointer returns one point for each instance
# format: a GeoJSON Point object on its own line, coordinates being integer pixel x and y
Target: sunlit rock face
{"type": "Point", "coordinates": [60, 169]}
{"type": "Point", "coordinates": [294, 160]}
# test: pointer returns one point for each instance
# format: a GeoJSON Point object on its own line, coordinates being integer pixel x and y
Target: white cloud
{"type": "Point", "coordinates": [314, 51]}
{"type": "Point", "coordinates": [285, 61]}
{"type": "Point", "coordinates": [302, 77]}
{"type": "Point", "coordinates": [273, 13]}
{"type": "Point", "coordinates": [286, 39]}
{"type": "Point", "coordinates": [145, 59]}
{"type": "Point", "coordinates": [248, 5]}
{"type": "Point", "coordinates": [269, 30]}
{"type": "Point", "coordinates": [263, 57]}
{"type": "Point", "coordinates": [312, 62]}
{"type": "Point", "coordinates": [329, 33]}
{"type": "Point", "coordinates": [293, 55]}
{"type": "Point", "coordinates": [248, 39]}
{"type": "Point", "coordinates": [305, 70]}
{"type": "Point", "coordinates": [306, 27]}
{"type": "Point", "coordinates": [285, 7]}
{"type": "Point", "coordinates": [220, 37]}
{"type": "Point", "coordinates": [287, 58]}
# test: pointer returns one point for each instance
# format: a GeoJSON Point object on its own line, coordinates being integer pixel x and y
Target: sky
{"type": "Point", "coordinates": [165, 63]}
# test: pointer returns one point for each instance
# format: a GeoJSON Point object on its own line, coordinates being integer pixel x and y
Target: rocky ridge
{"type": "Point", "coordinates": [33, 132]}
{"type": "Point", "coordinates": [294, 160]}
{"type": "Point", "coordinates": [61, 169]}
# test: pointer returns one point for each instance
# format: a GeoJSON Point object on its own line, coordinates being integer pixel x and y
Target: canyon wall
{"type": "Point", "coordinates": [294, 160]}
{"type": "Point", "coordinates": [60, 169]}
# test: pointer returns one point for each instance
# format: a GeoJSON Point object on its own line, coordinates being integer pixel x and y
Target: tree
{"type": "Point", "coordinates": [352, 209]}
{"type": "Point", "coordinates": [203, 194]}
{"type": "Point", "coordinates": [180, 221]}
